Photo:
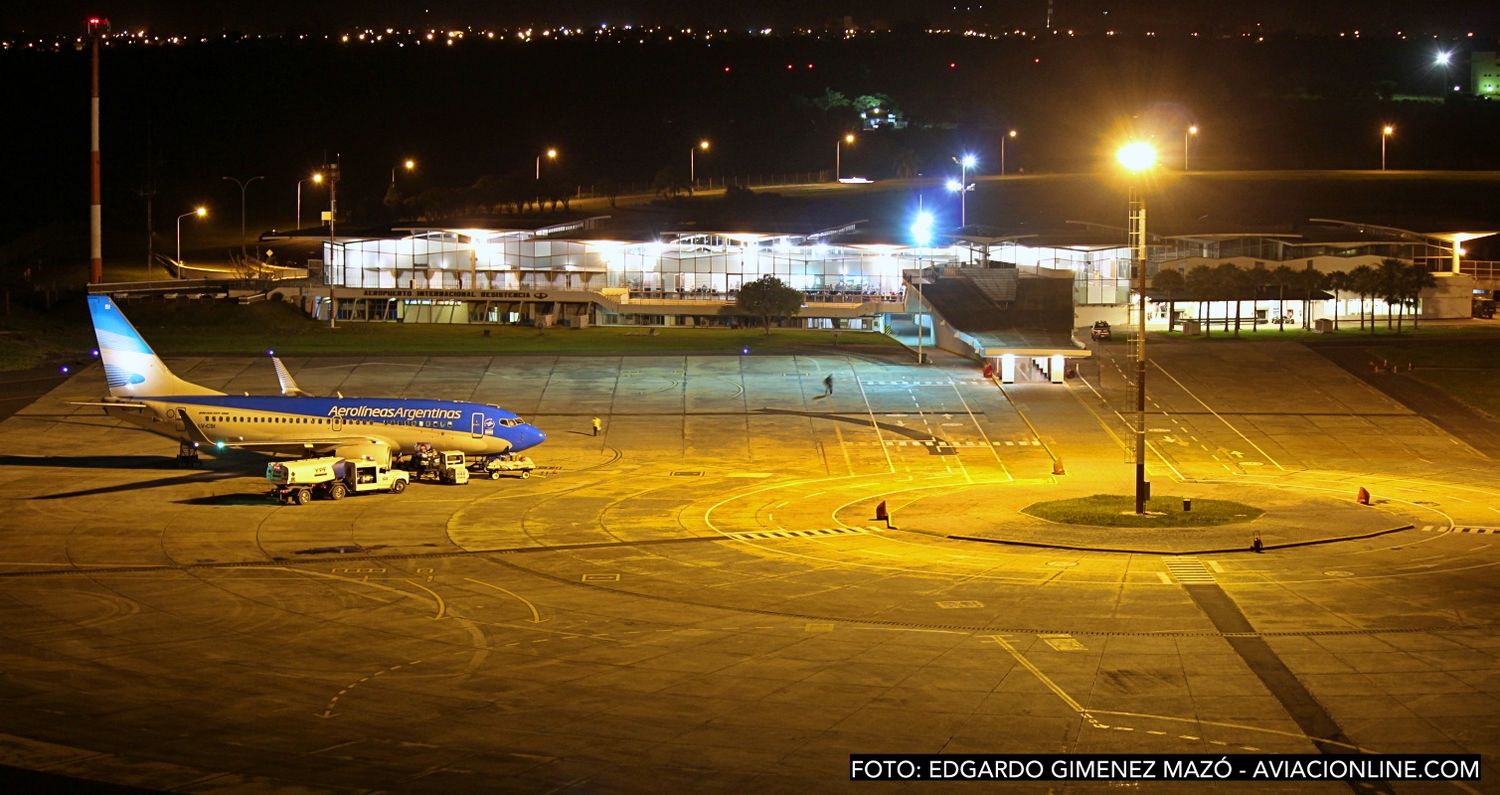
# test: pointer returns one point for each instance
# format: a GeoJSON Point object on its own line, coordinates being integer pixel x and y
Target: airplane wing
{"type": "Point", "coordinates": [288, 384]}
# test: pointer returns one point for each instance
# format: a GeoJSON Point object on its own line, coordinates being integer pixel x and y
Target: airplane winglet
{"type": "Point", "coordinates": [288, 384]}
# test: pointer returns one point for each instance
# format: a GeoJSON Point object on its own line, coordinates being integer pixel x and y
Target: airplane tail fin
{"type": "Point", "coordinates": [288, 384]}
{"type": "Point", "coordinates": [131, 368]}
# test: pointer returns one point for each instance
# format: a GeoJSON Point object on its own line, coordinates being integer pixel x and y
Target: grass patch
{"type": "Point", "coordinates": [1111, 510]}
{"type": "Point", "coordinates": [29, 337]}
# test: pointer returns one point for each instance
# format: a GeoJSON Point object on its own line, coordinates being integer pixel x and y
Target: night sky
{"type": "Point", "coordinates": [271, 16]}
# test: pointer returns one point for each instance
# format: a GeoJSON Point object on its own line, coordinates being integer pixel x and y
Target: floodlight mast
{"type": "Point", "coordinates": [98, 27]}
{"type": "Point", "coordinates": [1137, 158]}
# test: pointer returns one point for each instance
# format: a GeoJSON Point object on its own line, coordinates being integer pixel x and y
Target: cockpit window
{"type": "Point", "coordinates": [512, 422]}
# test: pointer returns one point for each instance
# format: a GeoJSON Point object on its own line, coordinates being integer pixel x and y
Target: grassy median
{"type": "Point", "coordinates": [1111, 510]}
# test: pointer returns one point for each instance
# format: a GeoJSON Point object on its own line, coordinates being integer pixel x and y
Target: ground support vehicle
{"type": "Point", "coordinates": [331, 477]}
{"type": "Point", "coordinates": [504, 464]}
{"type": "Point", "coordinates": [443, 466]}
{"type": "Point", "coordinates": [1101, 331]}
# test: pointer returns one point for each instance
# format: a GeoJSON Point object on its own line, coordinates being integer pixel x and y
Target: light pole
{"type": "Point", "coordinates": [1137, 158]}
{"type": "Point", "coordinates": [97, 29]}
{"type": "Point", "coordinates": [1385, 132]}
{"type": "Point", "coordinates": [200, 212]}
{"type": "Point", "coordinates": [838, 152]}
{"type": "Point", "coordinates": [692, 161]}
{"type": "Point", "coordinates": [964, 164]}
{"type": "Point", "coordinates": [921, 234]}
{"type": "Point", "coordinates": [1011, 135]}
{"type": "Point", "coordinates": [317, 179]}
{"type": "Point", "coordinates": [551, 155]}
{"type": "Point", "coordinates": [1187, 139]}
{"type": "Point", "coordinates": [243, 185]}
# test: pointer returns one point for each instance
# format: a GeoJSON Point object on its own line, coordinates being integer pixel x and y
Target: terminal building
{"type": "Point", "coordinates": [1000, 299]}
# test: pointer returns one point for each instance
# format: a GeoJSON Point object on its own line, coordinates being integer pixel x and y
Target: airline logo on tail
{"type": "Point", "coordinates": [131, 368]}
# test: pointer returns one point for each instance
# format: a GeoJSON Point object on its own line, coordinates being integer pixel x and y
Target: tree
{"type": "Point", "coordinates": [1256, 278]}
{"type": "Point", "coordinates": [1170, 284]}
{"type": "Point", "coordinates": [1362, 282]}
{"type": "Point", "coordinates": [1338, 281]}
{"type": "Point", "coordinates": [1201, 282]}
{"type": "Point", "coordinates": [768, 297]}
{"type": "Point", "coordinates": [608, 188]}
{"type": "Point", "coordinates": [1417, 279]}
{"type": "Point", "coordinates": [1231, 283]}
{"type": "Point", "coordinates": [668, 183]}
{"type": "Point", "coordinates": [1309, 281]}
{"type": "Point", "coordinates": [1281, 277]}
{"type": "Point", "coordinates": [1388, 285]}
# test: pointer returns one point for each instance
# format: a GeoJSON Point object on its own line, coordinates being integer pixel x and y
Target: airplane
{"type": "Point", "coordinates": [144, 392]}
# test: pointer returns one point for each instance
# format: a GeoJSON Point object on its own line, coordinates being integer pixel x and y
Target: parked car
{"type": "Point", "coordinates": [1101, 330]}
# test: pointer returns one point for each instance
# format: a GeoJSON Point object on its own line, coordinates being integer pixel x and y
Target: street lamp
{"type": "Point", "coordinates": [317, 179]}
{"type": "Point", "coordinates": [921, 234]}
{"type": "Point", "coordinates": [201, 212]}
{"type": "Point", "coordinates": [692, 161]}
{"type": "Point", "coordinates": [1385, 132]}
{"type": "Point", "coordinates": [243, 185]}
{"type": "Point", "coordinates": [1137, 158]}
{"type": "Point", "coordinates": [1187, 139]}
{"type": "Point", "coordinates": [1011, 135]}
{"type": "Point", "coordinates": [838, 153]}
{"type": "Point", "coordinates": [551, 155]}
{"type": "Point", "coordinates": [408, 164]}
{"type": "Point", "coordinates": [962, 186]}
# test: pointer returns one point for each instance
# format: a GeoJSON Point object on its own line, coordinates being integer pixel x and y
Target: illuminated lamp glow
{"type": "Point", "coordinates": [954, 185]}
{"type": "Point", "coordinates": [1136, 156]}
{"type": "Point", "coordinates": [968, 161]}
{"type": "Point", "coordinates": [921, 229]}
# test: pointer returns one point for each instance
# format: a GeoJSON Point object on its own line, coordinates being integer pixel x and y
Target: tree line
{"type": "Point", "coordinates": [1397, 283]}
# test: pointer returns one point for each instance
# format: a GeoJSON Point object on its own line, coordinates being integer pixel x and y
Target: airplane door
{"type": "Point", "coordinates": [476, 425]}
{"type": "Point", "coordinates": [177, 416]}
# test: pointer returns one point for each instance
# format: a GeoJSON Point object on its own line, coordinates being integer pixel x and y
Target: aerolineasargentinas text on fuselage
{"type": "Point", "coordinates": [144, 392]}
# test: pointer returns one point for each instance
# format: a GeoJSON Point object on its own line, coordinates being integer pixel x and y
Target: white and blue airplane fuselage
{"type": "Point", "coordinates": [144, 392]}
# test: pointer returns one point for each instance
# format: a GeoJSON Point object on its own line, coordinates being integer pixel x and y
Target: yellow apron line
{"type": "Point", "coordinates": [1044, 679]}
{"type": "Point", "coordinates": [536, 618]}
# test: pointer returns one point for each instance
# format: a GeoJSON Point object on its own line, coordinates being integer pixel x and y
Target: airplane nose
{"type": "Point", "coordinates": [537, 437]}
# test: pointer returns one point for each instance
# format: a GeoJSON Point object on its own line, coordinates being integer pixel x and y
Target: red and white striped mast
{"type": "Point", "coordinates": [98, 28]}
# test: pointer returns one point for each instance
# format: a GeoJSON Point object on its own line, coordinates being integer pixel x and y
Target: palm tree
{"type": "Point", "coordinates": [1231, 286]}
{"type": "Point", "coordinates": [1255, 278]}
{"type": "Point", "coordinates": [1202, 283]}
{"type": "Point", "coordinates": [1309, 281]}
{"type": "Point", "coordinates": [1417, 279]}
{"type": "Point", "coordinates": [1388, 285]}
{"type": "Point", "coordinates": [1170, 283]}
{"type": "Point", "coordinates": [1336, 281]}
{"type": "Point", "coordinates": [1362, 281]}
{"type": "Point", "coordinates": [1280, 277]}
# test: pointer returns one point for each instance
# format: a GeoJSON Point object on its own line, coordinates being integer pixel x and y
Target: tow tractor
{"type": "Point", "coordinates": [504, 464]}
{"type": "Point", "coordinates": [298, 482]}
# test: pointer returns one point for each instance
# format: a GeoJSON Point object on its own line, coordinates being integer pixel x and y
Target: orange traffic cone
{"type": "Point", "coordinates": [1364, 496]}
{"type": "Point", "coordinates": [1057, 467]}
